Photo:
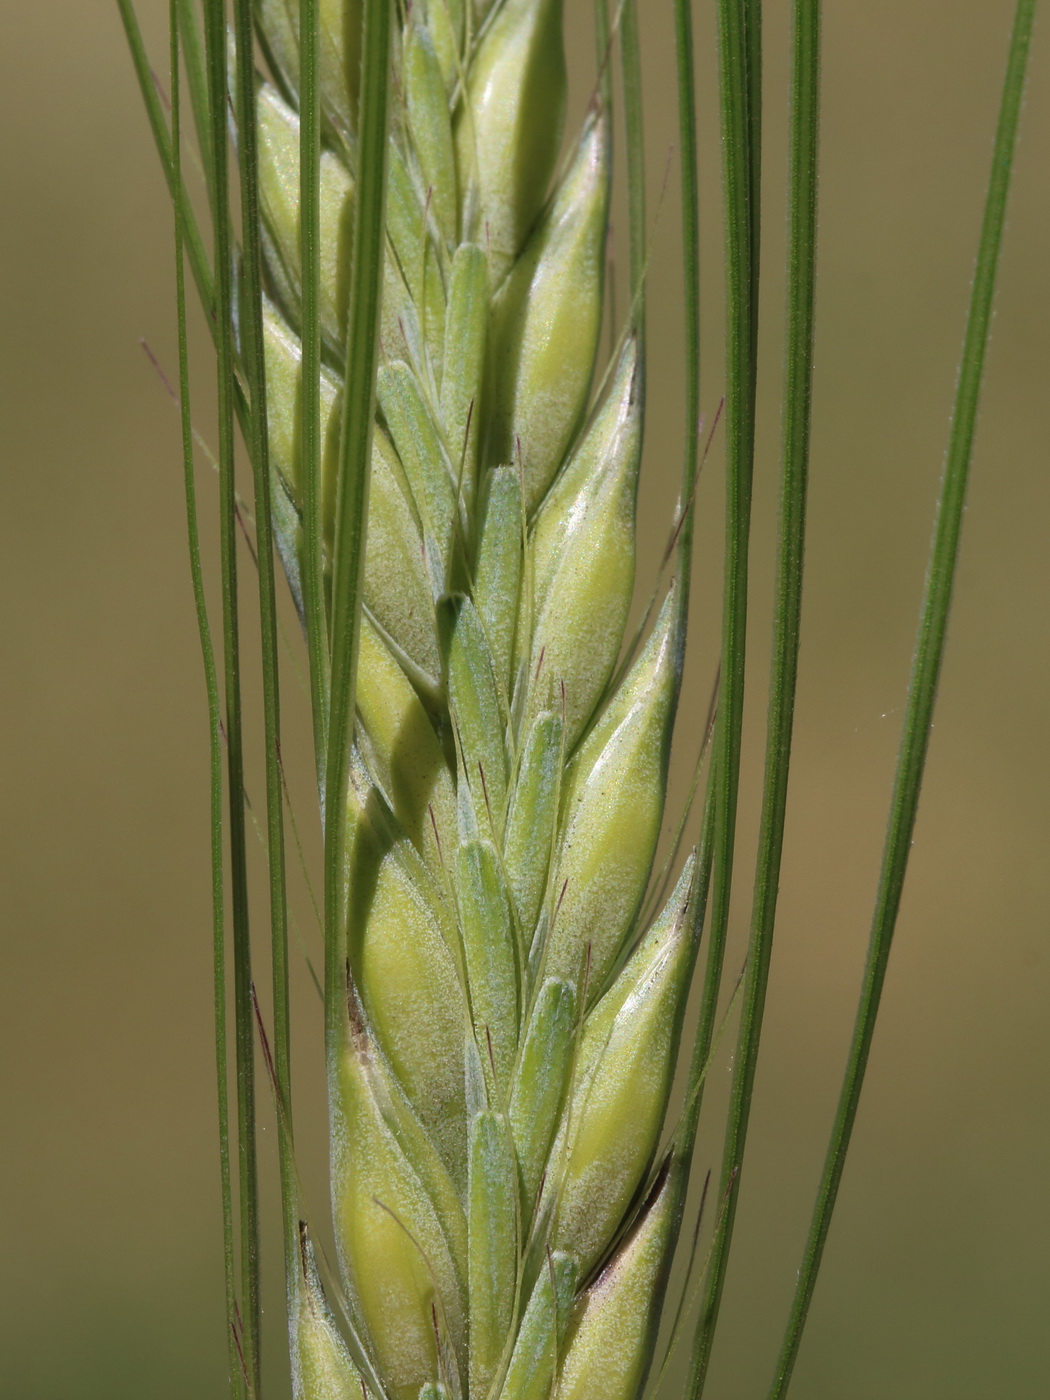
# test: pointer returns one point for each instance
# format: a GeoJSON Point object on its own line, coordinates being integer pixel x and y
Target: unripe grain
{"type": "Point", "coordinates": [546, 319]}
{"type": "Point", "coordinates": [581, 558]}
{"type": "Point", "coordinates": [401, 951]}
{"type": "Point", "coordinates": [610, 1132]}
{"type": "Point", "coordinates": [611, 1336]}
{"type": "Point", "coordinates": [279, 175]}
{"type": "Point", "coordinates": [321, 1365]}
{"type": "Point", "coordinates": [611, 816]}
{"type": "Point", "coordinates": [509, 130]}
{"type": "Point", "coordinates": [382, 1211]}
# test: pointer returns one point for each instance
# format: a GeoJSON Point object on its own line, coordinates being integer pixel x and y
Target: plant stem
{"type": "Point", "coordinates": [194, 244]}
{"type": "Point", "coordinates": [258, 445]}
{"type": "Point", "coordinates": [787, 617]}
{"type": "Point", "coordinates": [739, 102]}
{"type": "Point", "coordinates": [196, 82]}
{"type": "Point", "coordinates": [310, 252]}
{"type": "Point", "coordinates": [352, 502]}
{"type": "Point", "coordinates": [691, 293]}
{"type": "Point", "coordinates": [630, 50]}
{"type": "Point", "coordinates": [922, 688]}
{"type": "Point", "coordinates": [215, 44]}
{"type": "Point", "coordinates": [214, 724]}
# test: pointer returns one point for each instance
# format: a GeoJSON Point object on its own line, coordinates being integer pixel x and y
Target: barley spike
{"type": "Point", "coordinates": [511, 1035]}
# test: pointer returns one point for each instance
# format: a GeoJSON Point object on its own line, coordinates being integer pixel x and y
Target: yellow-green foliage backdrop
{"type": "Point", "coordinates": [936, 1279]}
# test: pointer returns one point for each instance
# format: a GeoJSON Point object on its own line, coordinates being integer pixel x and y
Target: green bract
{"type": "Point", "coordinates": [534, 1361]}
{"type": "Point", "coordinates": [541, 1083]}
{"type": "Point", "coordinates": [493, 1247]}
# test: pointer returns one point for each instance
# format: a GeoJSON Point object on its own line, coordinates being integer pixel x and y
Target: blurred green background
{"type": "Point", "coordinates": [937, 1277]}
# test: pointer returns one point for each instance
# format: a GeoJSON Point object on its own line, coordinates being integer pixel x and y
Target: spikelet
{"type": "Point", "coordinates": [500, 1090]}
{"type": "Point", "coordinates": [608, 1348]}
{"type": "Point", "coordinates": [322, 1368]}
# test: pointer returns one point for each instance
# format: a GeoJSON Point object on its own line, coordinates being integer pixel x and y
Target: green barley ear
{"type": "Point", "coordinates": [504, 800]}
{"type": "Point", "coordinates": [406, 299]}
